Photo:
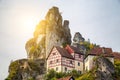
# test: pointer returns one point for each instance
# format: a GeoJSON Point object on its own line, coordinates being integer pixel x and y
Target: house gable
{"type": "Point", "coordinates": [54, 52]}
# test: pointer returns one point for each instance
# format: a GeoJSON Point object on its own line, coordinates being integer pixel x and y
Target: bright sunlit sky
{"type": "Point", "coordinates": [98, 20]}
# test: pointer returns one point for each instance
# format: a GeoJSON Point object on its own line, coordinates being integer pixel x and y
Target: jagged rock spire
{"type": "Point", "coordinates": [78, 41]}
{"type": "Point", "coordinates": [78, 38]}
{"type": "Point", "coordinates": [48, 33]}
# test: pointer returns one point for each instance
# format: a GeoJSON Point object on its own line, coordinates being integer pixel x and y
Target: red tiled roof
{"type": "Point", "coordinates": [116, 55]}
{"type": "Point", "coordinates": [66, 78]}
{"type": "Point", "coordinates": [72, 49]}
{"type": "Point", "coordinates": [64, 53]}
{"type": "Point", "coordinates": [69, 49]}
{"type": "Point", "coordinates": [101, 50]}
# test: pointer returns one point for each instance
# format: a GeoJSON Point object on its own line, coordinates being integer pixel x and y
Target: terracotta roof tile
{"type": "Point", "coordinates": [116, 55]}
{"type": "Point", "coordinates": [64, 52]}
{"type": "Point", "coordinates": [101, 50]}
{"type": "Point", "coordinates": [73, 49]}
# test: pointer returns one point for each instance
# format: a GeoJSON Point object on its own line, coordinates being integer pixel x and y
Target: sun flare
{"type": "Point", "coordinates": [30, 23]}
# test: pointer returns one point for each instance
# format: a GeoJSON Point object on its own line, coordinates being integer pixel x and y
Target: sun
{"type": "Point", "coordinates": [30, 23]}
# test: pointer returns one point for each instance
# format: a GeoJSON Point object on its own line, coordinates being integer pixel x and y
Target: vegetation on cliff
{"type": "Point", "coordinates": [117, 69]}
{"type": "Point", "coordinates": [53, 75]}
{"type": "Point", "coordinates": [112, 71]}
{"type": "Point", "coordinates": [25, 69]}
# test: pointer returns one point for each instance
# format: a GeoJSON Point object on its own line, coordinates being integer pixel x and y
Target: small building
{"type": "Point", "coordinates": [67, 78]}
{"type": "Point", "coordinates": [97, 51]}
{"type": "Point", "coordinates": [65, 59]}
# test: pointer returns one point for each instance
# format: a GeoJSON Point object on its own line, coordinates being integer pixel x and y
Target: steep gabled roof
{"type": "Point", "coordinates": [116, 55]}
{"type": "Point", "coordinates": [101, 50]}
{"type": "Point", "coordinates": [62, 51]}
{"type": "Point", "coordinates": [72, 49]}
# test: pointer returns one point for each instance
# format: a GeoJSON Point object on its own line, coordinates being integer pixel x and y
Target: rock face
{"type": "Point", "coordinates": [105, 69]}
{"type": "Point", "coordinates": [78, 41]}
{"type": "Point", "coordinates": [25, 69]}
{"type": "Point", "coordinates": [48, 33]}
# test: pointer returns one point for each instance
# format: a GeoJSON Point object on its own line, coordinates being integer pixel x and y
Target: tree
{"type": "Point", "coordinates": [50, 75]}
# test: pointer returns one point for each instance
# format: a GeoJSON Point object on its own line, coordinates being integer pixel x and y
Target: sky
{"type": "Point", "coordinates": [97, 20]}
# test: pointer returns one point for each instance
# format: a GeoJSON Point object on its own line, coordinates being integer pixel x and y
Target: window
{"type": "Point", "coordinates": [79, 71]}
{"type": "Point", "coordinates": [53, 54]}
{"type": "Point", "coordinates": [71, 62]}
{"type": "Point", "coordinates": [57, 60]}
{"type": "Point", "coordinates": [78, 64]}
{"type": "Point", "coordinates": [65, 69]}
{"type": "Point", "coordinates": [56, 68]}
{"type": "Point", "coordinates": [50, 62]}
{"type": "Point", "coordinates": [79, 56]}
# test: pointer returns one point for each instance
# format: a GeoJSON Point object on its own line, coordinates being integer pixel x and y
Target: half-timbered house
{"type": "Point", "coordinates": [65, 59]}
{"type": "Point", "coordinates": [78, 57]}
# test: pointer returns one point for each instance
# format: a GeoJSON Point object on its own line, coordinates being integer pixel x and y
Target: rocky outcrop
{"type": "Point", "coordinates": [25, 69]}
{"type": "Point", "coordinates": [104, 69]}
{"type": "Point", "coordinates": [78, 41]}
{"type": "Point", "coordinates": [48, 33]}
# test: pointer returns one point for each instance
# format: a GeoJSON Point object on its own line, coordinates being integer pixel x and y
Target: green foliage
{"type": "Point", "coordinates": [59, 75]}
{"type": "Point", "coordinates": [50, 75]}
{"type": "Point", "coordinates": [117, 69]}
{"type": "Point", "coordinates": [31, 78]}
{"type": "Point", "coordinates": [53, 75]}
{"type": "Point", "coordinates": [13, 69]}
{"type": "Point", "coordinates": [87, 76]}
{"type": "Point", "coordinates": [34, 66]}
{"type": "Point", "coordinates": [88, 45]}
{"type": "Point", "coordinates": [64, 44]}
{"type": "Point", "coordinates": [74, 73]}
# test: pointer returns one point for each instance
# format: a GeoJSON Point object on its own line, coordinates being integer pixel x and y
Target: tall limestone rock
{"type": "Point", "coordinates": [48, 33]}
{"type": "Point", "coordinates": [57, 33]}
{"type": "Point", "coordinates": [78, 41]}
